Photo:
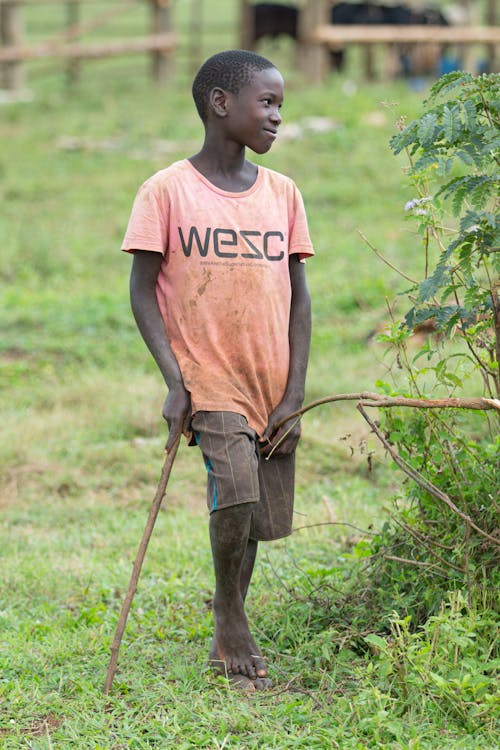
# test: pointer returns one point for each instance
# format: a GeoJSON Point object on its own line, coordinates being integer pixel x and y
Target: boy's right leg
{"type": "Point", "coordinates": [247, 567]}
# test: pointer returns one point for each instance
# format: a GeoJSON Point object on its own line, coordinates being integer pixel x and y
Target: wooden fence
{"type": "Point", "coordinates": [14, 52]}
{"type": "Point", "coordinates": [317, 36]}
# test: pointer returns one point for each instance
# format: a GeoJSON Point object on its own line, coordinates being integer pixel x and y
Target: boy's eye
{"type": "Point", "coordinates": [268, 101]}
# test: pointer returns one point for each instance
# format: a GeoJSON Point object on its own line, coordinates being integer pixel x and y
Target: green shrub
{"type": "Point", "coordinates": [423, 594]}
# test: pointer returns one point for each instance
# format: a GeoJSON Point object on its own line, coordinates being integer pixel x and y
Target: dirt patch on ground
{"type": "Point", "coordinates": [38, 728]}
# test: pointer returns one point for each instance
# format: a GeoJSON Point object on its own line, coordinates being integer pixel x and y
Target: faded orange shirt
{"type": "Point", "coordinates": [224, 285]}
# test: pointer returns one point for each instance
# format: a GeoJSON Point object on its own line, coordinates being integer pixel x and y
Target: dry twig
{"type": "Point", "coordinates": [132, 587]}
{"type": "Point", "coordinates": [422, 481]}
{"type": "Point", "coordinates": [367, 398]}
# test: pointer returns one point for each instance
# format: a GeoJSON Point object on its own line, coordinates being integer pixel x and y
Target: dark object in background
{"type": "Point", "coordinates": [271, 20]}
{"type": "Point", "coordinates": [384, 15]}
{"type": "Point", "coordinates": [374, 13]}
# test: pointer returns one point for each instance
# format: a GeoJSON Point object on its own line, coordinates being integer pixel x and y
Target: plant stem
{"type": "Point", "coordinates": [422, 481]}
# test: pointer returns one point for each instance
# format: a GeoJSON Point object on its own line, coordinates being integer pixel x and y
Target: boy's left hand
{"type": "Point", "coordinates": [273, 433]}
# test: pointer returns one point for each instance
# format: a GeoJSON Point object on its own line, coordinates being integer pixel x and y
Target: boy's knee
{"type": "Point", "coordinates": [233, 513]}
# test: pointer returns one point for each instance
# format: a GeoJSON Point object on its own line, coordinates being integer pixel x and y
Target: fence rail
{"type": "Point", "coordinates": [338, 35]}
{"type": "Point", "coordinates": [318, 35]}
{"type": "Point", "coordinates": [160, 43]}
{"type": "Point", "coordinates": [88, 50]}
{"type": "Point", "coordinates": [68, 2]}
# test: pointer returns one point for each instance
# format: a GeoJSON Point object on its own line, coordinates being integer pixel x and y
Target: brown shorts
{"type": "Point", "coordinates": [238, 474]}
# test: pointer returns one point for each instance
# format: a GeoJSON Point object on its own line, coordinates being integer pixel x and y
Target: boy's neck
{"type": "Point", "coordinates": [226, 170]}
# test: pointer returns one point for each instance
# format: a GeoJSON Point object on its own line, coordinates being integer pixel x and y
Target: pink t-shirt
{"type": "Point", "coordinates": [224, 284]}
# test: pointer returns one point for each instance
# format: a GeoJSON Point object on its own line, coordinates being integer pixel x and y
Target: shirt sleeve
{"type": "Point", "coordinates": [300, 240]}
{"type": "Point", "coordinates": [148, 224]}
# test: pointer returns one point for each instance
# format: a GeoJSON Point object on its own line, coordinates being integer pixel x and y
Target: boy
{"type": "Point", "coordinates": [219, 294]}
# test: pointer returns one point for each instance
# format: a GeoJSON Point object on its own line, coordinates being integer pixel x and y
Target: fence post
{"type": "Point", "coordinates": [11, 33]}
{"type": "Point", "coordinates": [491, 20]}
{"type": "Point", "coordinates": [369, 62]}
{"type": "Point", "coordinates": [247, 30]}
{"type": "Point", "coordinates": [196, 35]}
{"type": "Point", "coordinates": [313, 55]}
{"type": "Point", "coordinates": [72, 19]}
{"type": "Point", "coordinates": [162, 16]}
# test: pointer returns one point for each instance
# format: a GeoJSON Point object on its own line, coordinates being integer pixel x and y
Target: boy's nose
{"type": "Point", "coordinates": [276, 116]}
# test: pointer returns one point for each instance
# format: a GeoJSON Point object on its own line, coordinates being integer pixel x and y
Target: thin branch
{"type": "Point", "coordinates": [494, 403]}
{"type": "Point", "coordinates": [367, 398]}
{"type": "Point", "coordinates": [136, 570]}
{"type": "Point", "coordinates": [483, 368]}
{"type": "Point", "coordinates": [422, 481]}
{"type": "Point", "coordinates": [426, 253]}
{"type": "Point", "coordinates": [335, 523]}
{"type": "Point", "coordinates": [278, 442]}
{"type": "Point", "coordinates": [384, 260]}
{"type": "Point", "coordinates": [428, 544]}
{"type": "Point", "coordinates": [467, 564]}
{"type": "Point", "coordinates": [419, 563]}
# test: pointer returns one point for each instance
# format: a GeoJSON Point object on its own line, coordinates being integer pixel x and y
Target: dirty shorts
{"type": "Point", "coordinates": [238, 474]}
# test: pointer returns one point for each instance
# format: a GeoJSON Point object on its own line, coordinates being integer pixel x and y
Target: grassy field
{"type": "Point", "coordinates": [82, 436]}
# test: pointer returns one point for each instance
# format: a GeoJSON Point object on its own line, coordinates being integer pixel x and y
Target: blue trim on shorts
{"type": "Point", "coordinates": [210, 471]}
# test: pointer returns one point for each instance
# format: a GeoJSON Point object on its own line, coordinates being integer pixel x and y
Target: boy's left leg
{"type": "Point", "coordinates": [260, 683]}
{"type": "Point", "coordinates": [249, 499]}
{"type": "Point", "coordinates": [234, 646]}
{"type": "Point", "coordinates": [230, 453]}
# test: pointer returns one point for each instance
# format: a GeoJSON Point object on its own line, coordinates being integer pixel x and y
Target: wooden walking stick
{"type": "Point", "coordinates": [141, 552]}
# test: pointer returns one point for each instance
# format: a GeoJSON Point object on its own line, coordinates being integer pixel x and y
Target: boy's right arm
{"type": "Point", "coordinates": [177, 407]}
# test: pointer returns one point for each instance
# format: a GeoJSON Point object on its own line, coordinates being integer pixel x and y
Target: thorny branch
{"type": "Point", "coordinates": [367, 398]}
{"type": "Point", "coordinates": [422, 481]}
{"type": "Point", "coordinates": [384, 260]}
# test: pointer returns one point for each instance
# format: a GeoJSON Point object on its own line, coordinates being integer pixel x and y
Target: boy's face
{"type": "Point", "coordinates": [254, 114]}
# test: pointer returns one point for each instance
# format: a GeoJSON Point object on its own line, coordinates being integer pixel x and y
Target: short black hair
{"type": "Point", "coordinates": [230, 70]}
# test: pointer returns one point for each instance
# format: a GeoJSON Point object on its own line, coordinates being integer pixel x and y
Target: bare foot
{"type": "Point", "coordinates": [236, 650]}
{"type": "Point", "coordinates": [240, 682]}
{"type": "Point", "coordinates": [235, 644]}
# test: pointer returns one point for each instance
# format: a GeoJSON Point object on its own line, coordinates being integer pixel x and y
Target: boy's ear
{"type": "Point", "coordinates": [218, 101]}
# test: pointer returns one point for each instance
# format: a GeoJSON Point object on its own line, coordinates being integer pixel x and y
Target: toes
{"type": "Point", "coordinates": [246, 667]}
{"type": "Point", "coordinates": [263, 683]}
{"type": "Point", "coordinates": [253, 669]}
{"type": "Point", "coordinates": [218, 665]}
{"type": "Point", "coordinates": [250, 666]}
{"type": "Point", "coordinates": [260, 666]}
{"type": "Point", "coordinates": [233, 667]}
{"type": "Point", "coordinates": [250, 671]}
{"type": "Point", "coordinates": [238, 679]}
{"type": "Point", "coordinates": [241, 682]}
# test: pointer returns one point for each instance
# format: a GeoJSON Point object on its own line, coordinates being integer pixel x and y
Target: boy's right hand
{"type": "Point", "coordinates": [177, 413]}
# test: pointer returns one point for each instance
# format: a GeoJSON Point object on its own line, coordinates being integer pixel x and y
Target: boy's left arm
{"type": "Point", "coordinates": [299, 336]}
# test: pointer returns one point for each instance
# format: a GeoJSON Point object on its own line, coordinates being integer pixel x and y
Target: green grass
{"type": "Point", "coordinates": [82, 437]}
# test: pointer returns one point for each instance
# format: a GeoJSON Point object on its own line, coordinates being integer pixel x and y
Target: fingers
{"type": "Point", "coordinates": [177, 413]}
{"type": "Point", "coordinates": [175, 428]}
{"type": "Point", "coordinates": [172, 437]}
{"type": "Point", "coordinates": [283, 448]}
{"type": "Point", "coordinates": [272, 428]}
{"type": "Point", "coordinates": [284, 441]}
